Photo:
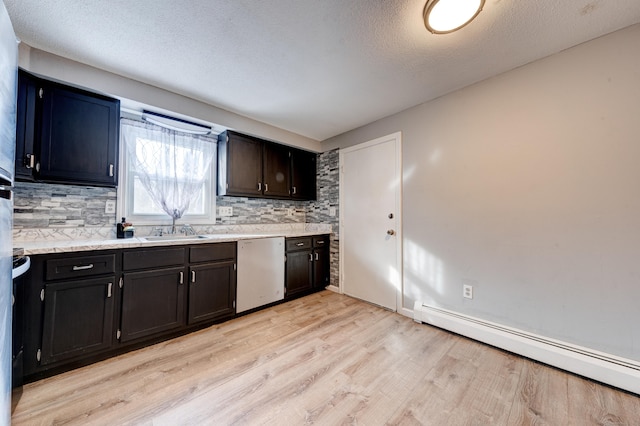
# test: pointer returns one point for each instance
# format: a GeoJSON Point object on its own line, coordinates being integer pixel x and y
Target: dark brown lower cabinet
{"type": "Point", "coordinates": [320, 268]}
{"type": "Point", "coordinates": [307, 265]}
{"type": "Point", "coordinates": [78, 318]}
{"type": "Point", "coordinates": [212, 292]}
{"type": "Point", "coordinates": [298, 272]}
{"type": "Point", "coordinates": [80, 307]}
{"type": "Point", "coordinates": [152, 302]}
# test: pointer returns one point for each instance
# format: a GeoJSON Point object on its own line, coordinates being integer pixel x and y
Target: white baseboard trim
{"type": "Point", "coordinates": [333, 288]}
{"type": "Point", "coordinates": [406, 312]}
{"type": "Point", "coordinates": [606, 368]}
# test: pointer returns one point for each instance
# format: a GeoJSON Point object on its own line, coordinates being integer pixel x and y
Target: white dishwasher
{"type": "Point", "coordinates": [260, 272]}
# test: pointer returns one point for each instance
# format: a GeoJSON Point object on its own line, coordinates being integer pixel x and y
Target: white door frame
{"type": "Point", "coordinates": [397, 138]}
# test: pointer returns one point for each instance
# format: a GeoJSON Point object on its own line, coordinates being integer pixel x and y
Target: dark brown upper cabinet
{"type": "Point", "coordinates": [253, 167]}
{"type": "Point", "coordinates": [275, 171]}
{"type": "Point", "coordinates": [303, 175]}
{"type": "Point", "coordinates": [239, 165]}
{"type": "Point", "coordinates": [65, 134]}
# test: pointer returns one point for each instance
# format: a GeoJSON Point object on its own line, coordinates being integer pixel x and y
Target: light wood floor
{"type": "Point", "coordinates": [324, 359]}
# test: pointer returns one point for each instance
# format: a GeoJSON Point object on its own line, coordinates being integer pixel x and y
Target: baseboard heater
{"type": "Point", "coordinates": [606, 368]}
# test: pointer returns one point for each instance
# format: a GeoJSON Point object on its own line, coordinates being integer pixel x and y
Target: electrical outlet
{"type": "Point", "coordinates": [110, 207]}
{"type": "Point", "coordinates": [225, 211]}
{"type": "Point", "coordinates": [467, 291]}
{"type": "Point", "coordinates": [332, 211]}
{"type": "Point", "coordinates": [291, 211]}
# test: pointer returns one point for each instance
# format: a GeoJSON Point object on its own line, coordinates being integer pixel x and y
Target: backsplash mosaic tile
{"type": "Point", "coordinates": [326, 208]}
{"type": "Point", "coordinates": [38, 205]}
{"type": "Point", "coordinates": [259, 210]}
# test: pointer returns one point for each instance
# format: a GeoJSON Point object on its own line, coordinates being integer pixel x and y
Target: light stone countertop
{"type": "Point", "coordinates": [49, 246]}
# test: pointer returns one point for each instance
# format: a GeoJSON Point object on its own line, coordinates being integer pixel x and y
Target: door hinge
{"type": "Point", "coordinates": [121, 283]}
{"type": "Point", "coordinates": [42, 295]}
{"type": "Point", "coordinates": [38, 355]}
{"type": "Point", "coordinates": [118, 334]}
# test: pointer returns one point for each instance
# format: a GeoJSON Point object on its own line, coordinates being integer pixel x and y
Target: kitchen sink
{"type": "Point", "coordinates": [175, 237]}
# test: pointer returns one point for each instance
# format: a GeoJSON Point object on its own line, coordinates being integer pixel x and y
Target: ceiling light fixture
{"type": "Point", "coordinates": [446, 16]}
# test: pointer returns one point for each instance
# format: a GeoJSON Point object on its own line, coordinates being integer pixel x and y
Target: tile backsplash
{"type": "Point", "coordinates": [38, 205]}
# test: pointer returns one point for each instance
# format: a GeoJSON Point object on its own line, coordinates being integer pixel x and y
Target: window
{"type": "Point", "coordinates": [165, 171]}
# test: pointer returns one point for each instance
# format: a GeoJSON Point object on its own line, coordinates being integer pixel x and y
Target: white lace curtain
{"type": "Point", "coordinates": [172, 166]}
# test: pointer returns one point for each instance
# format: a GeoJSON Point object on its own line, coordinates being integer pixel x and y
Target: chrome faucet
{"type": "Point", "coordinates": [158, 230]}
{"type": "Point", "coordinates": [187, 230]}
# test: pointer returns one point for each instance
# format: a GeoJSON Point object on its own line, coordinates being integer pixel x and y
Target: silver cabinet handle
{"type": "Point", "coordinates": [181, 277]}
{"type": "Point", "coordinates": [266, 187]}
{"type": "Point", "coordinates": [310, 257]}
{"type": "Point", "coordinates": [259, 186]}
{"type": "Point", "coordinates": [391, 232]}
{"type": "Point", "coordinates": [316, 256]}
{"type": "Point", "coordinates": [299, 244]}
{"type": "Point", "coordinates": [111, 170]}
{"type": "Point", "coordinates": [83, 267]}
{"type": "Point", "coordinates": [32, 161]}
{"type": "Point", "coordinates": [320, 242]}
{"type": "Point", "coordinates": [109, 289]}
{"type": "Point", "coordinates": [294, 190]}
{"type": "Point", "coordinates": [193, 276]}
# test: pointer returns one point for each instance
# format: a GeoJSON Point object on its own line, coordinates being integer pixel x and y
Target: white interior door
{"type": "Point", "coordinates": [370, 231]}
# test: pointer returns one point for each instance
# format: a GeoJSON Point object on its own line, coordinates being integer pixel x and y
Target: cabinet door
{"type": "Point", "coordinates": [239, 165]}
{"type": "Point", "coordinates": [78, 317]}
{"type": "Point", "coordinates": [303, 175]}
{"type": "Point", "coordinates": [212, 291]}
{"type": "Point", "coordinates": [276, 170]}
{"type": "Point", "coordinates": [320, 268]}
{"type": "Point", "coordinates": [152, 302]}
{"type": "Point", "coordinates": [298, 272]}
{"type": "Point", "coordinates": [79, 136]}
{"type": "Point", "coordinates": [26, 126]}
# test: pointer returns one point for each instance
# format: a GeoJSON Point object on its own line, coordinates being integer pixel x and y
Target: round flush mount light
{"type": "Point", "coordinates": [446, 16]}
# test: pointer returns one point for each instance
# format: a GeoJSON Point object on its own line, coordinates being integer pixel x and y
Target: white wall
{"type": "Point", "coordinates": [527, 186]}
{"type": "Point", "coordinates": [75, 73]}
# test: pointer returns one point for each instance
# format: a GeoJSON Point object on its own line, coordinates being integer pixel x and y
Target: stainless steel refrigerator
{"type": "Point", "coordinates": [8, 90]}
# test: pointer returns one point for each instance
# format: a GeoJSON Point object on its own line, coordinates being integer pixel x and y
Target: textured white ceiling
{"type": "Point", "coordinates": [314, 67]}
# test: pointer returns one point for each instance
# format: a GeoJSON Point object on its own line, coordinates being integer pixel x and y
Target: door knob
{"type": "Point", "coordinates": [391, 232]}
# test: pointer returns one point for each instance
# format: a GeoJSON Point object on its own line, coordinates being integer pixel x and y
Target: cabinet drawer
{"type": "Point", "coordinates": [298, 243]}
{"type": "Point", "coordinates": [153, 258]}
{"type": "Point", "coordinates": [321, 241]}
{"type": "Point", "coordinates": [212, 252]}
{"type": "Point", "coordinates": [73, 267]}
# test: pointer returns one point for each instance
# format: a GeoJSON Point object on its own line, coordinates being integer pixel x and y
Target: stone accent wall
{"type": "Point", "coordinates": [38, 205]}
{"type": "Point", "coordinates": [320, 211]}
{"type": "Point", "coordinates": [260, 210]}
